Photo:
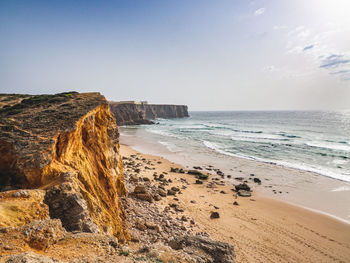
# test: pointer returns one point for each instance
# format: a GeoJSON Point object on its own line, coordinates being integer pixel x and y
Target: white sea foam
{"type": "Point", "coordinates": [339, 161]}
{"type": "Point", "coordinates": [162, 133]}
{"type": "Point", "coordinates": [171, 147]}
{"type": "Point", "coordinates": [331, 146]}
{"type": "Point", "coordinates": [297, 166]}
{"type": "Point", "coordinates": [194, 126]}
{"type": "Point", "coordinates": [216, 148]}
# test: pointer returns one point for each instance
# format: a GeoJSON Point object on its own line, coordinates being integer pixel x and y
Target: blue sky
{"type": "Point", "coordinates": [210, 55]}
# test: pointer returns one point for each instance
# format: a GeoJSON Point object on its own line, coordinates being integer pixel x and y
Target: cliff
{"type": "Point", "coordinates": [133, 114]}
{"type": "Point", "coordinates": [63, 195]}
{"type": "Point", "coordinates": [67, 145]}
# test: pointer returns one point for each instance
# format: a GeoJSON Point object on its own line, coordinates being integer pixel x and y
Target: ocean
{"type": "Point", "coordinates": [302, 157]}
{"type": "Point", "coordinates": [314, 141]}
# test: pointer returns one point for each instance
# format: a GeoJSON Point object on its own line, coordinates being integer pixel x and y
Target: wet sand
{"type": "Point", "coordinates": [260, 228]}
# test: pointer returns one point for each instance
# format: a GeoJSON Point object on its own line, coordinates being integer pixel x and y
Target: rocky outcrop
{"type": "Point", "coordinates": [133, 114]}
{"type": "Point", "coordinates": [204, 249]}
{"type": "Point", "coordinates": [68, 145]}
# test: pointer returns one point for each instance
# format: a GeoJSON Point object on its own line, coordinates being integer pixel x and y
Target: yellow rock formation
{"type": "Point", "coordinates": [67, 140]}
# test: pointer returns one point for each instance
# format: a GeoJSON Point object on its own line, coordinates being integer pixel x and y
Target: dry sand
{"type": "Point", "coordinates": [261, 229]}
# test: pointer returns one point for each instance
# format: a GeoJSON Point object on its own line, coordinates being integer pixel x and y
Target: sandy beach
{"type": "Point", "coordinates": [260, 228]}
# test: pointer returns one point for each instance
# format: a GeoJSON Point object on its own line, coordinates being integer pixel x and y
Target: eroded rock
{"type": "Point", "coordinates": [204, 250]}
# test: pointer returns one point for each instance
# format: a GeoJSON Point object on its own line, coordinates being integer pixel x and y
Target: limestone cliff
{"type": "Point", "coordinates": [66, 144]}
{"type": "Point", "coordinates": [133, 114]}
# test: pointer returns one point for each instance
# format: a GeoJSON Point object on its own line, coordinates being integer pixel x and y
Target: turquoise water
{"type": "Point", "coordinates": [315, 141]}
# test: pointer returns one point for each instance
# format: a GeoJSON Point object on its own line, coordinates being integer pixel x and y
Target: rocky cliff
{"type": "Point", "coordinates": [66, 144]}
{"type": "Point", "coordinates": [63, 195]}
{"type": "Point", "coordinates": [132, 114]}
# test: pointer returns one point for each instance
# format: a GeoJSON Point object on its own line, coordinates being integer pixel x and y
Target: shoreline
{"type": "Point", "coordinates": [297, 187]}
{"type": "Point", "coordinates": [264, 195]}
{"type": "Point", "coordinates": [262, 229]}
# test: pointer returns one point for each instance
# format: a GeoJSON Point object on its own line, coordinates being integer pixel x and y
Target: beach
{"type": "Point", "coordinates": [260, 228]}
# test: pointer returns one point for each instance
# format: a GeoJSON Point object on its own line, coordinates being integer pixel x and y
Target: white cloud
{"type": "Point", "coordinates": [259, 11]}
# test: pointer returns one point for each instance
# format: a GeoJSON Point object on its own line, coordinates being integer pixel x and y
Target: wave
{"type": "Point", "coordinates": [260, 140]}
{"type": "Point", "coordinates": [216, 148]}
{"type": "Point", "coordinates": [253, 137]}
{"type": "Point", "coordinates": [171, 147]}
{"type": "Point", "coordinates": [298, 166]}
{"type": "Point", "coordinates": [339, 161]}
{"type": "Point", "coordinates": [164, 133]}
{"type": "Point", "coordinates": [288, 135]}
{"type": "Point", "coordinates": [330, 146]}
{"type": "Point", "coordinates": [248, 131]}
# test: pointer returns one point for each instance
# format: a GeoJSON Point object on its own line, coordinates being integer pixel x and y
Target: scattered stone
{"type": "Point", "coordinates": [235, 203]}
{"type": "Point", "coordinates": [194, 172]}
{"type": "Point", "coordinates": [157, 197]}
{"type": "Point", "coordinates": [140, 189]}
{"type": "Point", "coordinates": [257, 180]}
{"type": "Point", "coordinates": [214, 215]}
{"type": "Point", "coordinates": [145, 197]}
{"type": "Point", "coordinates": [174, 170]}
{"type": "Point", "coordinates": [134, 178]}
{"type": "Point", "coordinates": [222, 192]}
{"type": "Point", "coordinates": [203, 176]}
{"type": "Point", "coordinates": [244, 193]}
{"type": "Point", "coordinates": [175, 189]}
{"type": "Point", "coordinates": [243, 186]}
{"type": "Point", "coordinates": [171, 192]}
{"type": "Point", "coordinates": [161, 192]}
{"type": "Point", "coordinates": [199, 182]}
{"type": "Point", "coordinates": [179, 209]}
{"type": "Point", "coordinates": [203, 249]}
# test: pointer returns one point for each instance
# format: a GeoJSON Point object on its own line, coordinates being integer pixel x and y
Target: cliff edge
{"type": "Point", "coordinates": [133, 114]}
{"type": "Point", "coordinates": [66, 144]}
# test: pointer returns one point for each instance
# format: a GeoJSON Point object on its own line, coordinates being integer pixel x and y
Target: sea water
{"type": "Point", "coordinates": [302, 157]}
{"type": "Point", "coordinates": [315, 141]}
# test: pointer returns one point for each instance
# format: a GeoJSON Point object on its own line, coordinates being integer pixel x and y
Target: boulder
{"type": "Point", "coordinates": [214, 215]}
{"type": "Point", "coordinates": [194, 172]}
{"type": "Point", "coordinates": [171, 192]}
{"type": "Point", "coordinates": [244, 193]}
{"type": "Point", "coordinates": [243, 186]}
{"type": "Point", "coordinates": [145, 197]}
{"type": "Point", "coordinates": [204, 250]}
{"type": "Point", "coordinates": [140, 189]}
{"type": "Point", "coordinates": [257, 180]}
{"type": "Point", "coordinates": [203, 176]}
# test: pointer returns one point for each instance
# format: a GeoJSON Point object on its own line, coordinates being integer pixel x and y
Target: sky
{"type": "Point", "coordinates": [209, 55]}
